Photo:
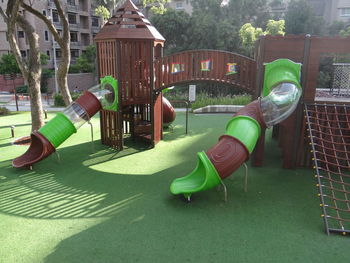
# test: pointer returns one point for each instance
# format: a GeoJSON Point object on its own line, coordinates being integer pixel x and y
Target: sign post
{"type": "Point", "coordinates": [192, 93]}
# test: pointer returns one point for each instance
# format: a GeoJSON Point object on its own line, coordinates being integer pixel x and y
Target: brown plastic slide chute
{"type": "Point", "coordinates": [39, 149]}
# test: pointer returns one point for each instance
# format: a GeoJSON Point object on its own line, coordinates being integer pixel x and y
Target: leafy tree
{"type": "Point", "coordinates": [173, 26]}
{"type": "Point", "coordinates": [275, 27]}
{"type": "Point", "coordinates": [86, 62]}
{"type": "Point", "coordinates": [336, 27]}
{"type": "Point", "coordinates": [345, 32]}
{"type": "Point", "coordinates": [249, 34]}
{"type": "Point", "coordinates": [300, 19]}
{"type": "Point", "coordinates": [239, 12]}
{"type": "Point", "coordinates": [209, 28]}
{"type": "Point", "coordinates": [157, 6]}
{"type": "Point", "coordinates": [103, 12]}
{"type": "Point", "coordinates": [8, 64]}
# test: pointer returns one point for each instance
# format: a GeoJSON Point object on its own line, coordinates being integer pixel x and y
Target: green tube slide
{"type": "Point", "coordinates": [58, 129]}
{"type": "Point", "coordinates": [203, 177]}
{"type": "Point", "coordinates": [281, 93]}
{"type": "Point", "coordinates": [246, 129]}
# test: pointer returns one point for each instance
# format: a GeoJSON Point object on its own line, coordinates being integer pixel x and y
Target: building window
{"type": "Point", "coordinates": [55, 17]}
{"type": "Point", "coordinates": [71, 2]}
{"type": "Point", "coordinates": [74, 53]}
{"type": "Point", "coordinates": [58, 53]}
{"type": "Point", "coordinates": [74, 36]}
{"type": "Point", "coordinates": [20, 34]}
{"type": "Point", "coordinates": [44, 12]}
{"type": "Point", "coordinates": [179, 6]}
{"type": "Point", "coordinates": [94, 22]}
{"type": "Point", "coordinates": [72, 18]}
{"type": "Point", "coordinates": [344, 11]}
{"type": "Point", "coordinates": [23, 53]}
{"type": "Point", "coordinates": [48, 53]}
{"type": "Point", "coordinates": [46, 35]}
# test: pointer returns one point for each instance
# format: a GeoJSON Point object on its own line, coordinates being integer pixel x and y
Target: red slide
{"type": "Point", "coordinates": [169, 114]}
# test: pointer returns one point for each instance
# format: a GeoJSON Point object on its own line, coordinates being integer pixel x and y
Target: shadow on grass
{"type": "Point", "coordinates": [69, 188]}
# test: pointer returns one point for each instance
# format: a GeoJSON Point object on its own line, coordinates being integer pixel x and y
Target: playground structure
{"type": "Point", "coordinates": [129, 49]}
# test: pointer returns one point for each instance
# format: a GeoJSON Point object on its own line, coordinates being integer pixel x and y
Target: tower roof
{"type": "Point", "coordinates": [128, 23]}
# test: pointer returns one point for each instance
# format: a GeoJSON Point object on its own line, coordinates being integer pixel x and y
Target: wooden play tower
{"type": "Point", "coordinates": [127, 47]}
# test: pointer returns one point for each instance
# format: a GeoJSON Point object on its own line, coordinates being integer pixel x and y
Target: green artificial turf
{"type": "Point", "coordinates": [100, 205]}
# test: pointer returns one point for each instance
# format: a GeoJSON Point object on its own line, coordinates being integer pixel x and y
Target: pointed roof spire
{"type": "Point", "coordinates": [128, 23]}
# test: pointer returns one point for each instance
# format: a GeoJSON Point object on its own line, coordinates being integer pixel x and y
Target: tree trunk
{"type": "Point", "coordinates": [64, 43]}
{"type": "Point", "coordinates": [33, 80]}
{"type": "Point", "coordinates": [62, 73]}
{"type": "Point", "coordinates": [31, 68]}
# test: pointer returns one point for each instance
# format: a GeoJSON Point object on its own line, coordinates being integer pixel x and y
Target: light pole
{"type": "Point", "coordinates": [12, 77]}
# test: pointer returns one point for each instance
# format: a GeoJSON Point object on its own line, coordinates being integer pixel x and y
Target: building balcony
{"type": "Point", "coordinates": [72, 8]}
{"type": "Point", "coordinates": [73, 26]}
{"type": "Point", "coordinates": [75, 44]}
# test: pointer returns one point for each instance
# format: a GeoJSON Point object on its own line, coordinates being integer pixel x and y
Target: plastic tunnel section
{"type": "Point", "coordinates": [65, 123]}
{"type": "Point", "coordinates": [281, 93]}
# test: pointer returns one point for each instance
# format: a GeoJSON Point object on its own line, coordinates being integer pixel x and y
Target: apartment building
{"type": "Point", "coordinates": [330, 10]}
{"type": "Point", "coordinates": [181, 5]}
{"type": "Point", "coordinates": [84, 24]}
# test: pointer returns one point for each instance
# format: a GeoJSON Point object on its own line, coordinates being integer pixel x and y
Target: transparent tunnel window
{"type": "Point", "coordinates": [280, 103]}
{"type": "Point", "coordinates": [104, 93]}
{"type": "Point", "coordinates": [76, 114]}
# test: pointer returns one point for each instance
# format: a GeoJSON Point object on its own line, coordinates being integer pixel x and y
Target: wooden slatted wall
{"type": "Point", "coordinates": [191, 70]}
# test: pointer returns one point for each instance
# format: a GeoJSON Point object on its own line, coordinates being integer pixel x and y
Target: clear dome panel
{"type": "Point", "coordinates": [280, 103]}
{"type": "Point", "coordinates": [104, 93]}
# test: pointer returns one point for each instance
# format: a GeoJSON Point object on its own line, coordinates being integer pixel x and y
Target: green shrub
{"type": "Point", "coordinates": [22, 89]}
{"type": "Point", "coordinates": [58, 98]}
{"type": "Point", "coordinates": [74, 68]}
{"type": "Point", "coordinates": [4, 111]}
{"type": "Point", "coordinates": [202, 100]}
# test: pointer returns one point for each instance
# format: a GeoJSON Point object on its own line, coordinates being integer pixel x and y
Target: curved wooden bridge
{"type": "Point", "coordinates": [205, 65]}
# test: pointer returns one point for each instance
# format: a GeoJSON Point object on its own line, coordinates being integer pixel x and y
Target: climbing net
{"type": "Point", "coordinates": [329, 133]}
{"type": "Point", "coordinates": [341, 79]}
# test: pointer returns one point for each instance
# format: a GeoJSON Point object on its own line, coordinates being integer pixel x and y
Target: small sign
{"type": "Point", "coordinates": [192, 93]}
{"type": "Point", "coordinates": [206, 65]}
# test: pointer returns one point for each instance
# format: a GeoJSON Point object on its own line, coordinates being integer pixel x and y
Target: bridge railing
{"type": "Point", "coordinates": [206, 65]}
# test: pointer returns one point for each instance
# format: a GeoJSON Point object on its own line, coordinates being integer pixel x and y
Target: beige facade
{"type": "Point", "coordinates": [83, 23]}
{"type": "Point", "coordinates": [181, 5]}
{"type": "Point", "coordinates": [330, 10]}
{"type": "Point", "coordinates": [337, 10]}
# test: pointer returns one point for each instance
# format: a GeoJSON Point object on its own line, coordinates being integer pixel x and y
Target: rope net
{"type": "Point", "coordinates": [341, 79]}
{"type": "Point", "coordinates": [329, 133]}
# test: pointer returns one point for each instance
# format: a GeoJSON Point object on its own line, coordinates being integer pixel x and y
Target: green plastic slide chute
{"type": "Point", "coordinates": [279, 71]}
{"type": "Point", "coordinates": [58, 129]}
{"type": "Point", "coordinates": [246, 129]}
{"type": "Point", "coordinates": [110, 103]}
{"type": "Point", "coordinates": [203, 177]}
